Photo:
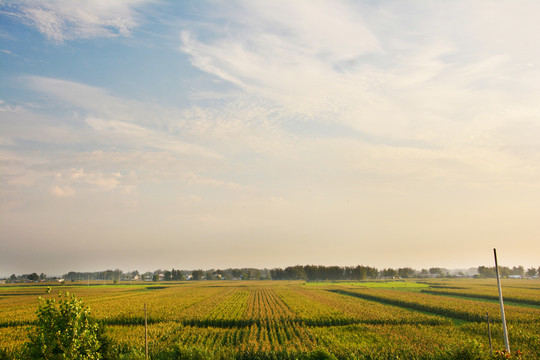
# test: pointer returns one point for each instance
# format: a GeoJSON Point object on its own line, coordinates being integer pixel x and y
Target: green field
{"type": "Point", "coordinates": [437, 319]}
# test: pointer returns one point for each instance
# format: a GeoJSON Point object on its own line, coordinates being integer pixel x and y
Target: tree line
{"type": "Point", "coordinates": [297, 272]}
{"type": "Point", "coordinates": [505, 271]}
{"type": "Point", "coordinates": [319, 272]}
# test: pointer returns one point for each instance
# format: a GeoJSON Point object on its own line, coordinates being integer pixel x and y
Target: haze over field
{"type": "Point", "coordinates": [159, 134]}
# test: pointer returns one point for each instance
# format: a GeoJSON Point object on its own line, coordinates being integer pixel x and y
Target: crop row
{"type": "Point", "coordinates": [231, 306]}
{"type": "Point", "coordinates": [317, 307]}
{"type": "Point", "coordinates": [345, 342]}
{"type": "Point", "coordinates": [285, 320]}
{"type": "Point", "coordinates": [468, 310]}
{"type": "Point", "coordinates": [489, 294]}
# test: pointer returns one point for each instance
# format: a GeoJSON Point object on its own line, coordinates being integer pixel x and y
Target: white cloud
{"type": "Point", "coordinates": [334, 61]}
{"type": "Point", "coordinates": [9, 108]}
{"type": "Point", "coordinates": [430, 75]}
{"type": "Point", "coordinates": [245, 134]}
{"type": "Point", "coordinates": [70, 20]}
{"type": "Point", "coordinates": [293, 53]}
{"type": "Point", "coordinates": [105, 182]}
{"type": "Point", "coordinates": [331, 31]}
{"type": "Point", "coordinates": [62, 191]}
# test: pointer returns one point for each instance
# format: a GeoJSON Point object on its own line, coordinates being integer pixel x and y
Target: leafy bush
{"type": "Point", "coordinates": [65, 330]}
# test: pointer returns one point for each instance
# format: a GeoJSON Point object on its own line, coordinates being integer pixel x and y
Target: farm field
{"type": "Point", "coordinates": [434, 319]}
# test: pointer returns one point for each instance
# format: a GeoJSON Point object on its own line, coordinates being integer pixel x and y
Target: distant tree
{"type": "Point", "coordinates": [335, 272]}
{"type": "Point", "coordinates": [504, 271]}
{"type": "Point", "coordinates": [177, 275]}
{"type": "Point", "coordinates": [487, 272]}
{"type": "Point", "coordinates": [13, 278]}
{"type": "Point", "coordinates": [197, 274]}
{"type": "Point", "coordinates": [531, 272]}
{"type": "Point", "coordinates": [389, 273]}
{"type": "Point", "coordinates": [372, 273]}
{"type": "Point", "coordinates": [405, 272]}
{"type": "Point", "coordinates": [436, 271]}
{"type": "Point", "coordinates": [277, 274]}
{"type": "Point", "coordinates": [236, 273]}
{"type": "Point", "coordinates": [70, 276]}
{"type": "Point", "coordinates": [167, 275]}
{"type": "Point", "coordinates": [208, 275]}
{"type": "Point", "coordinates": [251, 274]}
{"type": "Point", "coordinates": [155, 277]}
{"type": "Point", "coordinates": [517, 270]}
{"type": "Point", "coordinates": [108, 275]}
{"type": "Point", "coordinates": [33, 277]}
{"type": "Point", "coordinates": [313, 272]}
{"type": "Point", "coordinates": [117, 275]}
{"type": "Point", "coordinates": [295, 273]}
{"type": "Point", "coordinates": [358, 273]}
{"type": "Point", "coordinates": [42, 276]}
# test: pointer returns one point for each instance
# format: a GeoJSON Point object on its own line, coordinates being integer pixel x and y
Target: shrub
{"type": "Point", "coordinates": [65, 330]}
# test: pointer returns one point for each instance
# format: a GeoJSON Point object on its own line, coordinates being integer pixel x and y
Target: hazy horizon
{"type": "Point", "coordinates": [452, 271]}
{"type": "Point", "coordinates": [149, 134]}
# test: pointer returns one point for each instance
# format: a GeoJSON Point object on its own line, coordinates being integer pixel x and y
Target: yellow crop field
{"type": "Point", "coordinates": [295, 319]}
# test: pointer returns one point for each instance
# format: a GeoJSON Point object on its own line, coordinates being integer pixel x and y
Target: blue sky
{"type": "Point", "coordinates": [159, 134]}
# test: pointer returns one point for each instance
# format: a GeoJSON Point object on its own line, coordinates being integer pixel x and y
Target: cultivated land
{"type": "Point", "coordinates": [431, 319]}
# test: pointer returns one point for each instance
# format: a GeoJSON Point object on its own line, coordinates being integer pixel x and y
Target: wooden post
{"type": "Point", "coordinates": [505, 331]}
{"type": "Point", "coordinates": [145, 334]}
{"type": "Point", "coordinates": [489, 335]}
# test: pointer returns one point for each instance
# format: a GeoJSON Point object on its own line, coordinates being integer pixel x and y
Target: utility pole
{"type": "Point", "coordinates": [505, 331]}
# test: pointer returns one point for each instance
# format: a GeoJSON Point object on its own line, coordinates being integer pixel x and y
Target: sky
{"type": "Point", "coordinates": [152, 134]}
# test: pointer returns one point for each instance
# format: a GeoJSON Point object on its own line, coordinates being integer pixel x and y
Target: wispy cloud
{"type": "Point", "coordinates": [118, 120]}
{"type": "Point", "coordinates": [302, 64]}
{"type": "Point", "coordinates": [62, 191]}
{"type": "Point", "coordinates": [412, 84]}
{"type": "Point", "coordinates": [66, 183]}
{"type": "Point", "coordinates": [141, 137]}
{"type": "Point", "coordinates": [432, 82]}
{"type": "Point", "coordinates": [61, 21]}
